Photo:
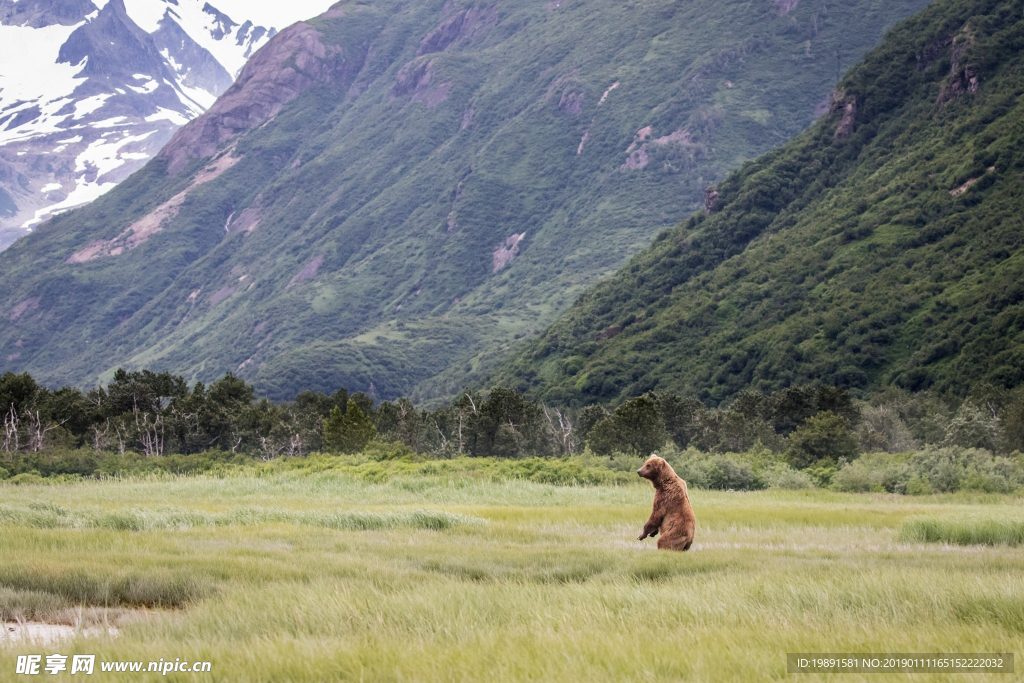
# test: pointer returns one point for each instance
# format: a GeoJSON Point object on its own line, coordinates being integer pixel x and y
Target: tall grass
{"type": "Point", "coordinates": [316, 576]}
{"type": "Point", "coordinates": [54, 516]}
{"type": "Point", "coordinates": [964, 530]}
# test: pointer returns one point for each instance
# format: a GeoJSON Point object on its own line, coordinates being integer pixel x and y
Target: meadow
{"type": "Point", "coordinates": [303, 575]}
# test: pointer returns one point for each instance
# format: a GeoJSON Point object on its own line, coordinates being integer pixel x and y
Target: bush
{"type": "Point", "coordinates": [719, 471]}
{"type": "Point", "coordinates": [939, 470]}
{"type": "Point", "coordinates": [25, 479]}
{"type": "Point", "coordinates": [4, 474]}
{"type": "Point", "coordinates": [782, 476]}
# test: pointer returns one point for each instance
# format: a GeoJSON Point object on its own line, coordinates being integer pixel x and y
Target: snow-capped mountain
{"type": "Point", "coordinates": [92, 89]}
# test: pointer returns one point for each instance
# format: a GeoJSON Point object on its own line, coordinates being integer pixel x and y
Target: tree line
{"type": "Point", "coordinates": [158, 414]}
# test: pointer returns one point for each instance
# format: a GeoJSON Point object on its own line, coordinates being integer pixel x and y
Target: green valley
{"type": "Point", "coordinates": [393, 194]}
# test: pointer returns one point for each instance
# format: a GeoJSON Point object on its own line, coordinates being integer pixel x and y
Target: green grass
{"type": "Point", "coordinates": [520, 581]}
{"type": "Point", "coordinates": [965, 531]}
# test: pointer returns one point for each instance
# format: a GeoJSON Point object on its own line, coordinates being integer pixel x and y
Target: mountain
{"type": "Point", "coordinates": [881, 247]}
{"type": "Point", "coordinates": [392, 194]}
{"type": "Point", "coordinates": [91, 91]}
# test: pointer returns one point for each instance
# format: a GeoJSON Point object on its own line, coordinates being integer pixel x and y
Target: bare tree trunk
{"type": "Point", "coordinates": [11, 425]}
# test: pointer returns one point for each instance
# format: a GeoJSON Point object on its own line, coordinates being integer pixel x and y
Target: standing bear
{"type": "Point", "coordinates": [673, 515]}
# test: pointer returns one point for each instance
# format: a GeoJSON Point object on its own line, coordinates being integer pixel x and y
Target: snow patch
{"type": "Point", "coordinates": [146, 13]}
{"type": "Point", "coordinates": [167, 115]}
{"type": "Point", "coordinates": [38, 77]}
{"type": "Point", "coordinates": [146, 88]}
{"type": "Point", "coordinates": [90, 105]}
{"type": "Point", "coordinates": [83, 194]}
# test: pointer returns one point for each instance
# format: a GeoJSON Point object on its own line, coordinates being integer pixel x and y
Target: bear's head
{"type": "Point", "coordinates": [654, 469]}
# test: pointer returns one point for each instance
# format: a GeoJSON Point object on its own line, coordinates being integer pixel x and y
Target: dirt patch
{"type": "Point", "coordinates": [413, 78]}
{"type": "Point", "coordinates": [583, 141]}
{"type": "Point", "coordinates": [571, 102]}
{"type": "Point", "coordinates": [680, 137]}
{"type": "Point", "coordinates": [966, 186]}
{"type": "Point", "coordinates": [221, 294]}
{"type": "Point", "coordinates": [308, 272]}
{"type": "Point", "coordinates": [641, 137]}
{"type": "Point", "coordinates": [848, 107]}
{"type": "Point", "coordinates": [463, 25]}
{"type": "Point", "coordinates": [437, 96]}
{"type": "Point", "coordinates": [249, 219]}
{"type": "Point", "coordinates": [506, 253]}
{"type": "Point", "coordinates": [607, 92]}
{"type": "Point", "coordinates": [25, 306]}
{"type": "Point", "coordinates": [150, 224]}
{"type": "Point", "coordinates": [637, 160]}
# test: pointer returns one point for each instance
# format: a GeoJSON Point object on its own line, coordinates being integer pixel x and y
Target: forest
{"type": "Point", "coordinates": [798, 437]}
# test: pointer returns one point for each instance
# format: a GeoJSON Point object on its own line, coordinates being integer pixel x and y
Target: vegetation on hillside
{"type": "Point", "coordinates": [356, 241]}
{"type": "Point", "coordinates": [880, 248]}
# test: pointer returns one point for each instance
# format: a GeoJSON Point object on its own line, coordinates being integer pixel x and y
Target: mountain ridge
{"type": "Point", "coordinates": [90, 92]}
{"type": "Point", "coordinates": [881, 247]}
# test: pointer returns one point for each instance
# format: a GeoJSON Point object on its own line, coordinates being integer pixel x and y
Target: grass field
{"type": "Point", "coordinates": [320, 576]}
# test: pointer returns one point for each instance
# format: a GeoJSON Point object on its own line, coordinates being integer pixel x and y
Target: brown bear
{"type": "Point", "coordinates": [672, 516]}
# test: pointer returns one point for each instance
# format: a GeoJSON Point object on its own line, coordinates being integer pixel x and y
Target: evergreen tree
{"type": "Point", "coordinates": [349, 431]}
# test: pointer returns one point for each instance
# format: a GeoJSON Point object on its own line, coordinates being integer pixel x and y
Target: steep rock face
{"type": "Point", "coordinates": [204, 72]}
{"type": "Point", "coordinates": [294, 62]}
{"type": "Point", "coordinates": [397, 191]}
{"type": "Point", "coordinates": [881, 247]}
{"type": "Point", "coordinates": [113, 46]}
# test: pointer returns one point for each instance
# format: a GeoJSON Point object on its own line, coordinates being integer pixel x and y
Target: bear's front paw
{"type": "Point", "coordinates": [641, 537]}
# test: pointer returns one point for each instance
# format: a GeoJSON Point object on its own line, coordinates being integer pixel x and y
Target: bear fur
{"type": "Point", "coordinates": [672, 516]}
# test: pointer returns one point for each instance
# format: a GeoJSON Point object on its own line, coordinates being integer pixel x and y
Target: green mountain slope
{"type": "Point", "coordinates": [395, 192]}
{"type": "Point", "coordinates": [883, 246]}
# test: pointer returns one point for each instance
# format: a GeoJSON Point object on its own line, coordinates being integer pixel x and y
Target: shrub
{"type": "Point", "coordinates": [719, 471]}
{"type": "Point", "coordinates": [25, 479]}
{"type": "Point", "coordinates": [782, 476]}
{"type": "Point", "coordinates": [933, 469]}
